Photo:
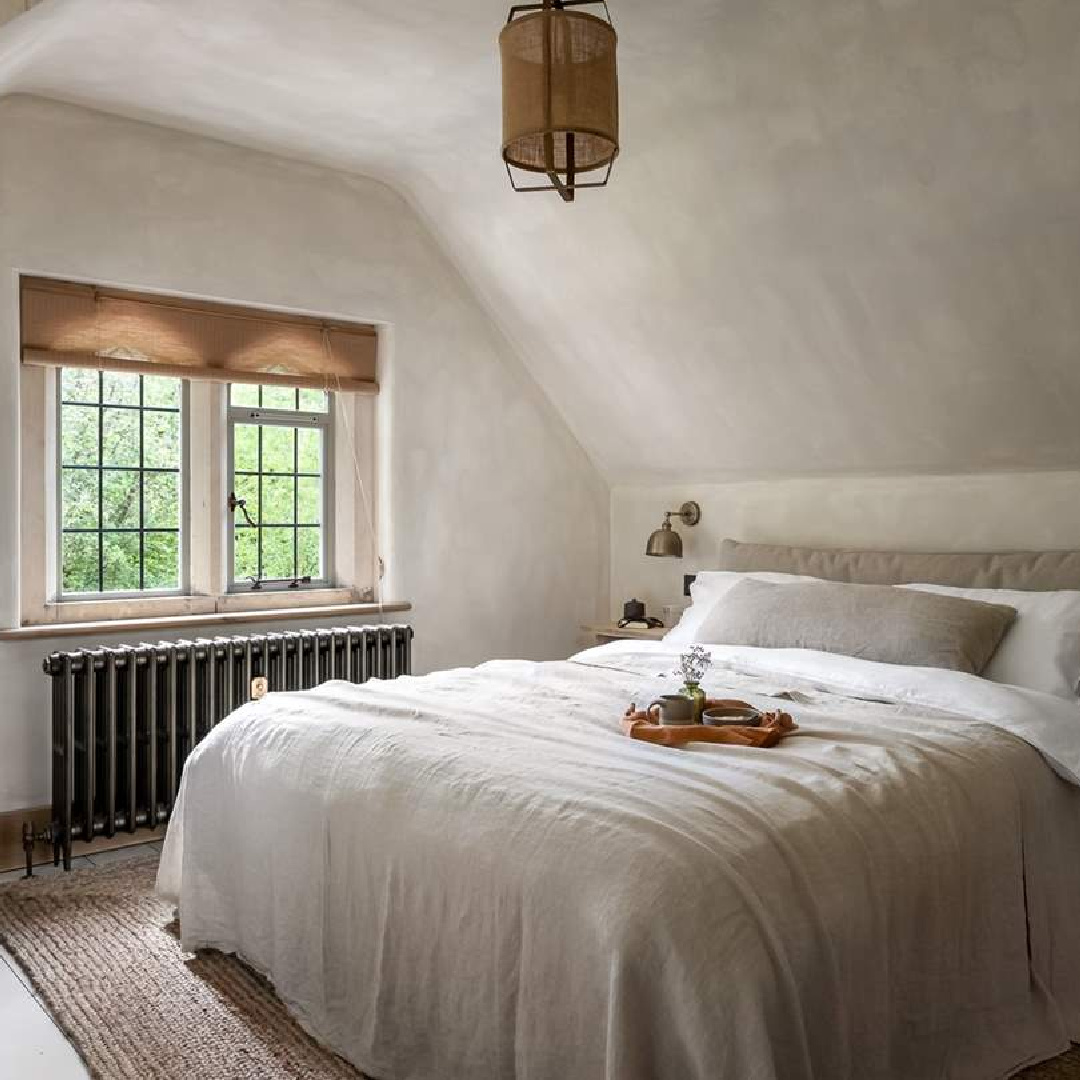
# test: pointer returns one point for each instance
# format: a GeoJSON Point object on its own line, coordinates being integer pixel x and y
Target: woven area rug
{"type": "Point", "coordinates": [102, 953]}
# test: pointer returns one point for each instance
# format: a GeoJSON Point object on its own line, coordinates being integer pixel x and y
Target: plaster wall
{"type": "Point", "coordinates": [989, 512]}
{"type": "Point", "coordinates": [493, 520]}
{"type": "Point", "coordinates": [10, 9]}
{"type": "Point", "coordinates": [842, 236]}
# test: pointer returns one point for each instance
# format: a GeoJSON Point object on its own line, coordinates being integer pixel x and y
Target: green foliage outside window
{"type": "Point", "coordinates": [278, 473]}
{"type": "Point", "coordinates": [120, 440]}
{"type": "Point", "coordinates": [121, 487]}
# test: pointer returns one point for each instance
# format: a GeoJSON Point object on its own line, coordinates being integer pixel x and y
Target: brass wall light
{"type": "Point", "coordinates": [560, 94]}
{"type": "Point", "coordinates": [665, 541]}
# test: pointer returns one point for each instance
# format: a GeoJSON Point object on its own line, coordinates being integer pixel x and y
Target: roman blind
{"type": "Point", "coordinates": [72, 325]}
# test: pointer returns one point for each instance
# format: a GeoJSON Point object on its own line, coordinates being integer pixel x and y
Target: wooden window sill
{"type": "Point", "coordinates": [210, 618]}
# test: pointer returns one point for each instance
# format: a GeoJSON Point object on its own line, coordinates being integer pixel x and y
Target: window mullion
{"type": "Point", "coordinates": [296, 492]}
{"type": "Point", "coordinates": [262, 515]}
{"type": "Point", "coordinates": [296, 498]}
{"type": "Point", "coordinates": [142, 487]}
{"type": "Point", "coordinates": [101, 481]}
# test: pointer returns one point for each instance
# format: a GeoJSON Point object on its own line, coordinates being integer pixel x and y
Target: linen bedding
{"type": "Point", "coordinates": [473, 875]}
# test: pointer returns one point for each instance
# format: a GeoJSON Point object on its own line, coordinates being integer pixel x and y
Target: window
{"type": "Point", "coordinates": [279, 452]}
{"type": "Point", "coordinates": [179, 456]}
{"type": "Point", "coordinates": [120, 463]}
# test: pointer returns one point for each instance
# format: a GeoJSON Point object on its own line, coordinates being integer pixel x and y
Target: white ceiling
{"type": "Point", "coordinates": [843, 235]}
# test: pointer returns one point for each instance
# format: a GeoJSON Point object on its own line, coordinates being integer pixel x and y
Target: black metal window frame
{"type": "Point", "coordinates": [261, 417]}
{"type": "Point", "coordinates": [142, 470]}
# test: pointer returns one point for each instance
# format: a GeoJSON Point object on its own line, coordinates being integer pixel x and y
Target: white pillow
{"type": "Point", "coordinates": [708, 588]}
{"type": "Point", "coordinates": [1041, 651]}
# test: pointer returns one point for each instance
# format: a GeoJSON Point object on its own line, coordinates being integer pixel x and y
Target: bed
{"type": "Point", "coordinates": [474, 874]}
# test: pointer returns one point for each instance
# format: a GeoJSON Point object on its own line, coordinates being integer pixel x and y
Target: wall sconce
{"type": "Point", "coordinates": [665, 541]}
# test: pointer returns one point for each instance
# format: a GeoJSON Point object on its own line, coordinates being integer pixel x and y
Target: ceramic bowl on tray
{"type": "Point", "coordinates": [730, 716]}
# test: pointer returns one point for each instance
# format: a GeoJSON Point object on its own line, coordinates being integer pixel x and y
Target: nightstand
{"type": "Point", "coordinates": [611, 632]}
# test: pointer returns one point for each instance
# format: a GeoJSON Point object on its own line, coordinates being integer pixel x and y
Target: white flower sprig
{"type": "Point", "coordinates": [694, 663]}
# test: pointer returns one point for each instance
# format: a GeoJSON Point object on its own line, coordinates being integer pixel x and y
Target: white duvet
{"type": "Point", "coordinates": [474, 876]}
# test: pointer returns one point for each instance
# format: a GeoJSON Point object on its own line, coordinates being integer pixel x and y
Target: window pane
{"type": "Point", "coordinates": [80, 499]}
{"type": "Point", "coordinates": [309, 449]}
{"type": "Point", "coordinates": [120, 437]}
{"type": "Point", "coordinates": [80, 552]}
{"type": "Point", "coordinates": [244, 394]}
{"type": "Point", "coordinates": [161, 501]}
{"type": "Point", "coordinates": [246, 553]}
{"type": "Point", "coordinates": [277, 504]}
{"type": "Point", "coordinates": [310, 555]}
{"type": "Point", "coordinates": [79, 384]}
{"type": "Point", "coordinates": [160, 392]}
{"type": "Point", "coordinates": [80, 434]}
{"type": "Point", "coordinates": [119, 388]}
{"type": "Point", "coordinates": [246, 447]}
{"type": "Point", "coordinates": [313, 401]}
{"type": "Point", "coordinates": [120, 552]}
{"type": "Point", "coordinates": [247, 488]}
{"type": "Point", "coordinates": [309, 500]}
{"type": "Point", "coordinates": [161, 568]}
{"type": "Point", "coordinates": [278, 553]}
{"type": "Point", "coordinates": [161, 438]}
{"type": "Point", "coordinates": [114, 554]}
{"type": "Point", "coordinates": [277, 471]}
{"type": "Point", "coordinates": [119, 499]}
{"type": "Point", "coordinates": [278, 444]}
{"type": "Point", "coordinates": [279, 397]}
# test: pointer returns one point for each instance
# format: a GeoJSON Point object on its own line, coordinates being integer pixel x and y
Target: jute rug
{"type": "Point", "coordinates": [101, 951]}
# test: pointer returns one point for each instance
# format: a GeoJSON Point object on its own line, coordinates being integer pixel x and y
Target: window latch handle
{"type": "Point", "coordinates": [235, 504]}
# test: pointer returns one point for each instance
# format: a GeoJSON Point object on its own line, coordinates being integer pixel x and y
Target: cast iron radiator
{"type": "Point", "coordinates": [125, 719]}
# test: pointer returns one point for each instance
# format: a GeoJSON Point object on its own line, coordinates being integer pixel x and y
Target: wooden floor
{"type": "Point", "coordinates": [31, 1045]}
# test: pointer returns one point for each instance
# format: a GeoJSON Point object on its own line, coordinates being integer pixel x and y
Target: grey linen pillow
{"type": "Point", "coordinates": [872, 622]}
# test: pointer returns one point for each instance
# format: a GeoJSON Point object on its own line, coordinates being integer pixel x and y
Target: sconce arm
{"type": "Point", "coordinates": [689, 513]}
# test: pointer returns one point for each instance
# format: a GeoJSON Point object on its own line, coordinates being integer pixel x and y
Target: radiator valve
{"type": "Point", "coordinates": [30, 838]}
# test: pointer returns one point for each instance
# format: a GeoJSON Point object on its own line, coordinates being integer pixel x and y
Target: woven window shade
{"type": "Point", "coordinates": [576, 93]}
{"type": "Point", "coordinates": [69, 325]}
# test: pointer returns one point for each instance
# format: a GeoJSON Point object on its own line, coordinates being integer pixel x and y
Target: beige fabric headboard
{"type": "Point", "coordinates": [1034, 571]}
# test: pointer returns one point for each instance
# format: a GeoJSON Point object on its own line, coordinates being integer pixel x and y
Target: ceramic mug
{"type": "Point", "coordinates": [674, 709]}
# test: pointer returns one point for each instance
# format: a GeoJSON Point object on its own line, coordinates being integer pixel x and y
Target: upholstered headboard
{"type": "Point", "coordinates": [1034, 571]}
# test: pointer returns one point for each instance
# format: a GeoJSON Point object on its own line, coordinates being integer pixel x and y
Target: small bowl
{"type": "Point", "coordinates": [731, 717]}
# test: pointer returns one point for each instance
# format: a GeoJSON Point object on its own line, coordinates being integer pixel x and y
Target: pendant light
{"type": "Point", "coordinates": [560, 94]}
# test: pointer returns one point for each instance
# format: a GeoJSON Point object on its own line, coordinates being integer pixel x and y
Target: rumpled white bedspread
{"type": "Point", "coordinates": [474, 876]}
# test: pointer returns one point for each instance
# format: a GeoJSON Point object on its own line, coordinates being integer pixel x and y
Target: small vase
{"type": "Point", "coordinates": [693, 691]}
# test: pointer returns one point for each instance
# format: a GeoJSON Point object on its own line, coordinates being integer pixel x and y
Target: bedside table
{"type": "Point", "coordinates": [611, 632]}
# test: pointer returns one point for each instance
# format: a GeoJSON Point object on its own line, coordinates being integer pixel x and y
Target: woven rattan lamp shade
{"type": "Point", "coordinates": [560, 92]}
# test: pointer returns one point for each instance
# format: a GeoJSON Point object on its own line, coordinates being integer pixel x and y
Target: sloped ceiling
{"type": "Point", "coordinates": [843, 235]}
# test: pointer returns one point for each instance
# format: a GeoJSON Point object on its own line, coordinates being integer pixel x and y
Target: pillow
{"type": "Point", "coordinates": [708, 587]}
{"type": "Point", "coordinates": [1042, 650]}
{"type": "Point", "coordinates": [872, 622]}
